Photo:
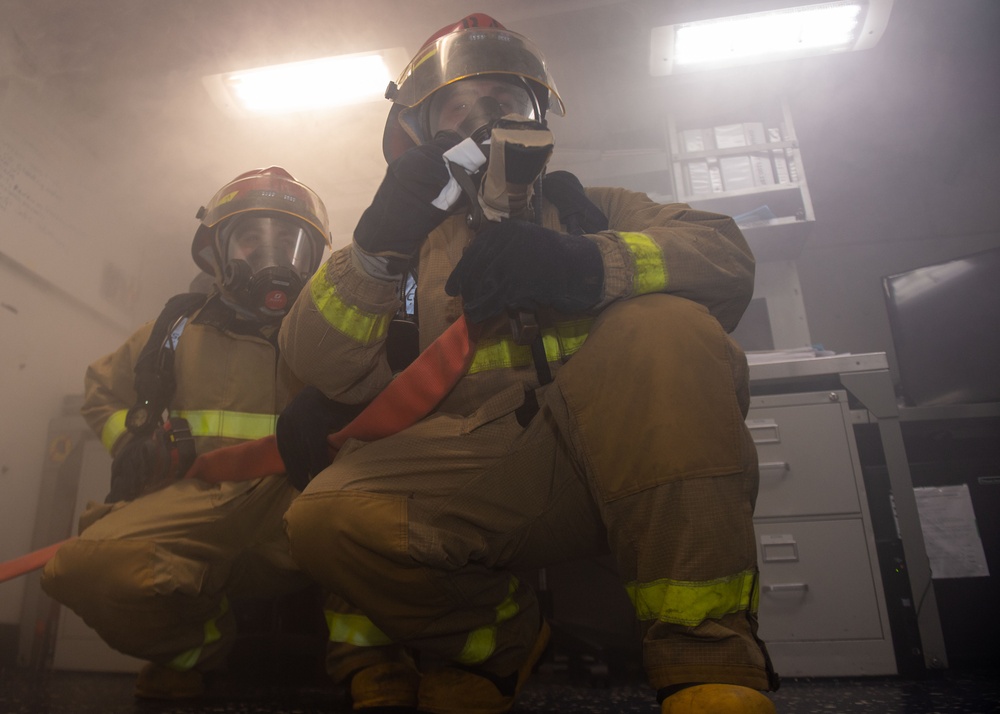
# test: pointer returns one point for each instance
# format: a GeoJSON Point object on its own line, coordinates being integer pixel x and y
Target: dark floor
{"type": "Point", "coordinates": [968, 690]}
{"type": "Point", "coordinates": [279, 670]}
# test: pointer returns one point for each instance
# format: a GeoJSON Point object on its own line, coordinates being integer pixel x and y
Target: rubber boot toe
{"type": "Point", "coordinates": [387, 684]}
{"type": "Point", "coordinates": [451, 690]}
{"type": "Point", "coordinates": [717, 699]}
{"type": "Point", "coordinates": [158, 682]}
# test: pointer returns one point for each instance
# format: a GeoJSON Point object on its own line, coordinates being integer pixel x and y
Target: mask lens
{"type": "Point", "coordinates": [450, 105]}
{"type": "Point", "coordinates": [264, 241]}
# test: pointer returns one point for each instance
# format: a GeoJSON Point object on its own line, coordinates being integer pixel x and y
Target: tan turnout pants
{"type": "Point", "coordinates": [639, 444]}
{"type": "Point", "coordinates": [154, 576]}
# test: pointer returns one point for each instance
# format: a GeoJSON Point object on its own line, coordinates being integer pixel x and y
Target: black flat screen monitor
{"type": "Point", "coordinates": [945, 321]}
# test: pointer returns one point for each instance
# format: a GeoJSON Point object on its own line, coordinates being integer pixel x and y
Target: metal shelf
{"type": "Point", "coordinates": [778, 237]}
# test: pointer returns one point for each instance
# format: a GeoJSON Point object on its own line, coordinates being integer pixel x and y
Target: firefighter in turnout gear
{"type": "Point", "coordinates": [603, 407]}
{"type": "Point", "coordinates": [157, 567]}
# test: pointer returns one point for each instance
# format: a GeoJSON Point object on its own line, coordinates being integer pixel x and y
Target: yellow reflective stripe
{"type": "Point", "coordinates": [355, 630]}
{"type": "Point", "coordinates": [479, 645]}
{"type": "Point", "coordinates": [233, 425]}
{"type": "Point", "coordinates": [359, 325]}
{"type": "Point", "coordinates": [204, 422]}
{"type": "Point", "coordinates": [650, 270]}
{"type": "Point", "coordinates": [187, 660]}
{"type": "Point", "coordinates": [113, 428]}
{"type": "Point", "coordinates": [690, 603]}
{"type": "Point", "coordinates": [481, 642]}
{"type": "Point", "coordinates": [560, 341]}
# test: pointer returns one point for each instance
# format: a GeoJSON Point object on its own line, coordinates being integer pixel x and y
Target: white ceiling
{"type": "Point", "coordinates": [124, 77]}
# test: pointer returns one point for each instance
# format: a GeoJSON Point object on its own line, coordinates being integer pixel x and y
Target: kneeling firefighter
{"type": "Point", "coordinates": [157, 566]}
{"type": "Point", "coordinates": [601, 407]}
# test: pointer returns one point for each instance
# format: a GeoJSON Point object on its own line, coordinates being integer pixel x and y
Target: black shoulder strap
{"type": "Point", "coordinates": [154, 373]}
{"type": "Point", "coordinates": [577, 212]}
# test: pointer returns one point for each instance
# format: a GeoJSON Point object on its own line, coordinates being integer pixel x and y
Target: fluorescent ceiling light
{"type": "Point", "coordinates": [307, 86]}
{"type": "Point", "coordinates": [800, 31]}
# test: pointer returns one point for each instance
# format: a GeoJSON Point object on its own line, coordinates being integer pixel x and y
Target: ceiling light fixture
{"type": "Point", "coordinates": [307, 86]}
{"type": "Point", "coordinates": [786, 33]}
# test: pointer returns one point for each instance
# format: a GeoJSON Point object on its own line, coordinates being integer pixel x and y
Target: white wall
{"type": "Point", "coordinates": [73, 285]}
{"type": "Point", "coordinates": [46, 341]}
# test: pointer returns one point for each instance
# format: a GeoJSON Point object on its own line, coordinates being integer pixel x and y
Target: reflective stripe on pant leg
{"type": "Point", "coordinates": [355, 642]}
{"type": "Point", "coordinates": [482, 642]}
{"type": "Point", "coordinates": [696, 596]}
{"type": "Point", "coordinates": [690, 603]}
{"type": "Point", "coordinates": [356, 545]}
{"type": "Point", "coordinates": [674, 472]}
{"type": "Point", "coordinates": [419, 529]}
{"type": "Point", "coordinates": [187, 660]}
{"type": "Point", "coordinates": [353, 629]}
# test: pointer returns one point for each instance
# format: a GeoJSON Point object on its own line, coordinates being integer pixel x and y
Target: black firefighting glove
{"type": "Point", "coordinates": [517, 265]}
{"type": "Point", "coordinates": [302, 429]}
{"type": "Point", "coordinates": [145, 464]}
{"type": "Point", "coordinates": [402, 212]}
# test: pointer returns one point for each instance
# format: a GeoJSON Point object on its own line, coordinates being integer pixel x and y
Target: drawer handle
{"type": "Point", "coordinates": [781, 466]}
{"type": "Point", "coordinates": [785, 587]}
{"type": "Point", "coordinates": [764, 431]}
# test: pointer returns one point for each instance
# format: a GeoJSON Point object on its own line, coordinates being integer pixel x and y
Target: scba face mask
{"type": "Point", "coordinates": [497, 115]}
{"type": "Point", "coordinates": [472, 106]}
{"type": "Point", "coordinates": [267, 261]}
{"type": "Point", "coordinates": [475, 47]}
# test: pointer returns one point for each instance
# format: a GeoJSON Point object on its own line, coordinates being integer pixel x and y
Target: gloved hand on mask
{"type": "Point", "coordinates": [517, 265]}
{"type": "Point", "coordinates": [414, 198]}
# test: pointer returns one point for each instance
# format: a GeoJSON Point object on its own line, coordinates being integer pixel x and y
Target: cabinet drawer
{"type": "Point", "coordinates": [816, 582]}
{"type": "Point", "coordinates": [806, 460]}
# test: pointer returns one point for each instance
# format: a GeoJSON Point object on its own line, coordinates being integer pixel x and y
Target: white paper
{"type": "Point", "coordinates": [951, 537]}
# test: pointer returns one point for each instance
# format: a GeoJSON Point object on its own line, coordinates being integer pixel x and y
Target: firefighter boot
{"type": "Point", "coordinates": [158, 682]}
{"type": "Point", "coordinates": [717, 699]}
{"type": "Point", "coordinates": [459, 691]}
{"type": "Point", "coordinates": [387, 684]}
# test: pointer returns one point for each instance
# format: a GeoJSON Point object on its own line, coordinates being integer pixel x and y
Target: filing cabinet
{"type": "Point", "coordinates": [822, 605]}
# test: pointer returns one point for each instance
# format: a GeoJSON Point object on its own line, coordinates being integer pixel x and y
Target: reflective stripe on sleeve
{"type": "Point", "coordinates": [360, 325]}
{"type": "Point", "coordinates": [560, 342]}
{"type": "Point", "coordinates": [481, 642]}
{"type": "Point", "coordinates": [650, 270]}
{"type": "Point", "coordinates": [232, 425]}
{"type": "Point", "coordinates": [187, 660]}
{"type": "Point", "coordinates": [113, 428]}
{"type": "Point", "coordinates": [690, 603]}
{"type": "Point", "coordinates": [355, 630]}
